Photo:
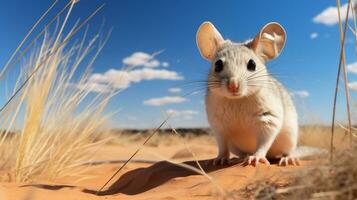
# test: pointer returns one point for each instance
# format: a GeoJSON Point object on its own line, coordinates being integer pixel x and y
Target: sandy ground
{"type": "Point", "coordinates": [141, 180]}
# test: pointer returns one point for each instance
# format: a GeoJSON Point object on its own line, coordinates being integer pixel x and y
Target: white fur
{"type": "Point", "coordinates": [259, 118]}
{"type": "Point", "coordinates": [241, 124]}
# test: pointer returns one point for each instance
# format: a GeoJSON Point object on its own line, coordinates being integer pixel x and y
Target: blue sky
{"type": "Point", "coordinates": [307, 65]}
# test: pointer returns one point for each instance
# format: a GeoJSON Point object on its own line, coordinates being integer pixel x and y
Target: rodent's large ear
{"type": "Point", "coordinates": [270, 41]}
{"type": "Point", "coordinates": [208, 40]}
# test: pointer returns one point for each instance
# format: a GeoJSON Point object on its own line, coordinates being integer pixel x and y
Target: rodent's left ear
{"type": "Point", "coordinates": [270, 41]}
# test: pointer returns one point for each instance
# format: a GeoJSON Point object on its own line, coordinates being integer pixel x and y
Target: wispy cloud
{"type": "Point", "coordinates": [300, 93]}
{"type": "Point", "coordinates": [329, 16]}
{"type": "Point", "coordinates": [146, 69]}
{"type": "Point", "coordinates": [120, 79]}
{"type": "Point", "coordinates": [353, 86]}
{"type": "Point", "coordinates": [175, 90]}
{"type": "Point", "coordinates": [352, 67]}
{"type": "Point", "coordinates": [314, 35]}
{"type": "Point", "coordinates": [184, 114]}
{"type": "Point", "coordinates": [164, 100]}
{"type": "Point", "coordinates": [141, 59]}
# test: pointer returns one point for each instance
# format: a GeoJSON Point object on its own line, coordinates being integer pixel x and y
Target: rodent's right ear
{"type": "Point", "coordinates": [208, 40]}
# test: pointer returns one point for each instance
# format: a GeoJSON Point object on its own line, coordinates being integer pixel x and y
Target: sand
{"type": "Point", "coordinates": [149, 177]}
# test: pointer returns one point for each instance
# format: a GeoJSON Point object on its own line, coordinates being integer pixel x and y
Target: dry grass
{"type": "Point", "coordinates": [335, 180]}
{"type": "Point", "coordinates": [321, 180]}
{"type": "Point", "coordinates": [119, 137]}
{"type": "Point", "coordinates": [319, 136]}
{"type": "Point", "coordinates": [60, 118]}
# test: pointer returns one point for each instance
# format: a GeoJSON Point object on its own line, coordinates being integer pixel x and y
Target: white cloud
{"type": "Point", "coordinates": [185, 114]}
{"type": "Point", "coordinates": [352, 68]}
{"type": "Point", "coordinates": [329, 16]}
{"type": "Point", "coordinates": [175, 90]}
{"type": "Point", "coordinates": [300, 93]}
{"type": "Point", "coordinates": [120, 79]}
{"type": "Point", "coordinates": [164, 100]}
{"type": "Point", "coordinates": [153, 63]}
{"type": "Point", "coordinates": [314, 35]}
{"type": "Point", "coordinates": [353, 86]}
{"type": "Point", "coordinates": [165, 64]}
{"type": "Point", "coordinates": [141, 59]}
{"type": "Point", "coordinates": [151, 74]}
{"type": "Point", "coordinates": [144, 60]}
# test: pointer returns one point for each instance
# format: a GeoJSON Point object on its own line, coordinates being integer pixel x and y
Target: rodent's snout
{"type": "Point", "coordinates": [233, 86]}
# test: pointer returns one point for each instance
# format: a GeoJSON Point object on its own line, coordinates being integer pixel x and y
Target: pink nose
{"type": "Point", "coordinates": [233, 87]}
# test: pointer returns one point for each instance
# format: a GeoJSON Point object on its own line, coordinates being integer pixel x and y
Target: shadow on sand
{"type": "Point", "coordinates": [49, 187]}
{"type": "Point", "coordinates": [143, 179]}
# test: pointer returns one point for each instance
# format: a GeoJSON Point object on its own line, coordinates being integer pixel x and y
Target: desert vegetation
{"type": "Point", "coordinates": [59, 122]}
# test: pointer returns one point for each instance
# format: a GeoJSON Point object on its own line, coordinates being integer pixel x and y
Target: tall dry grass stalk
{"type": "Point", "coordinates": [60, 118]}
{"type": "Point", "coordinates": [342, 65]}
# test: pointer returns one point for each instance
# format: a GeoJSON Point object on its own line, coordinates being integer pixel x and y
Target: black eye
{"type": "Point", "coordinates": [251, 65]}
{"type": "Point", "coordinates": [218, 66]}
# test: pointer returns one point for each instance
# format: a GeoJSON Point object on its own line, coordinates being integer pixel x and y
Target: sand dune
{"type": "Point", "coordinates": [149, 179]}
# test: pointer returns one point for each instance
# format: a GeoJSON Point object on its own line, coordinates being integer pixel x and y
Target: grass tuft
{"type": "Point", "coordinates": [60, 118]}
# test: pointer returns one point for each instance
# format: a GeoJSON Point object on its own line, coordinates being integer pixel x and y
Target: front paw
{"type": "Point", "coordinates": [254, 160]}
{"type": "Point", "coordinates": [220, 160]}
{"type": "Point", "coordinates": [289, 160]}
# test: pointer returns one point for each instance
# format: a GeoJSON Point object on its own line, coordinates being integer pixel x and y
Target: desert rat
{"type": "Point", "coordinates": [250, 111]}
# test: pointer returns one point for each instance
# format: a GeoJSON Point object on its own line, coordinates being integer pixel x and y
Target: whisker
{"type": "Point", "coordinates": [199, 81]}
{"type": "Point", "coordinates": [261, 80]}
{"type": "Point", "coordinates": [260, 70]}
{"type": "Point", "coordinates": [265, 75]}
{"type": "Point", "coordinates": [255, 73]}
{"type": "Point", "coordinates": [194, 92]}
{"type": "Point", "coordinates": [262, 83]}
{"type": "Point", "coordinates": [186, 85]}
{"type": "Point", "coordinates": [261, 86]}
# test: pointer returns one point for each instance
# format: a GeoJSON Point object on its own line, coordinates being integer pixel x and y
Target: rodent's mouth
{"type": "Point", "coordinates": [224, 91]}
{"type": "Point", "coordinates": [235, 95]}
{"type": "Point", "coordinates": [238, 92]}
